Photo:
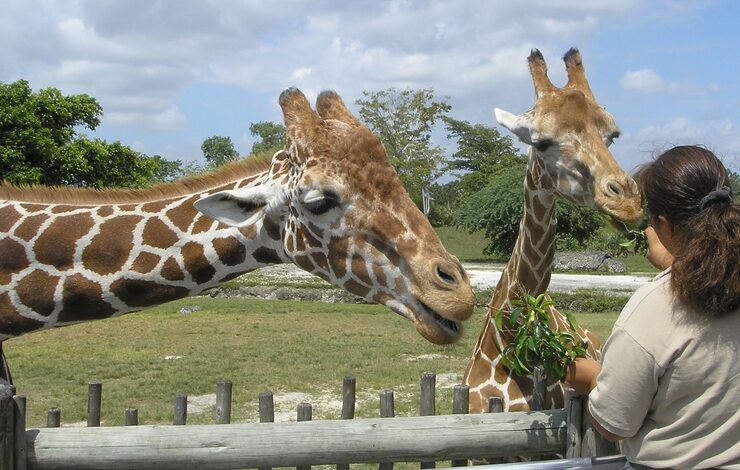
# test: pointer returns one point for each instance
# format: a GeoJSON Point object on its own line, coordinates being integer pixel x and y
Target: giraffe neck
{"type": "Point", "coordinates": [530, 266]}
{"type": "Point", "coordinates": [69, 263]}
{"type": "Point", "coordinates": [529, 270]}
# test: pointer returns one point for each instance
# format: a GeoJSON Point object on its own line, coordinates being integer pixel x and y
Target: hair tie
{"type": "Point", "coordinates": [723, 194]}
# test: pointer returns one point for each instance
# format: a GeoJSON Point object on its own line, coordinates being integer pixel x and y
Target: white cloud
{"type": "Point", "coordinates": [168, 119]}
{"type": "Point", "coordinates": [300, 73]}
{"type": "Point", "coordinates": [646, 81]}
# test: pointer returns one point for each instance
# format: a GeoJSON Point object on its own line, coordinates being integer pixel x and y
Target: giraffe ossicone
{"type": "Point", "coordinates": [569, 136]}
{"type": "Point", "coordinates": [330, 202]}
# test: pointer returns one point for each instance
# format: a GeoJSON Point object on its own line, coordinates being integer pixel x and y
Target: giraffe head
{"type": "Point", "coordinates": [338, 210]}
{"type": "Point", "coordinates": [570, 134]}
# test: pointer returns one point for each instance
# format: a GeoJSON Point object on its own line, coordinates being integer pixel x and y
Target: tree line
{"type": "Point", "coordinates": [483, 177]}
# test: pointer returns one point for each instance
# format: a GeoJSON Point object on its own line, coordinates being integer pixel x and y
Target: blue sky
{"type": "Point", "coordinates": [171, 73]}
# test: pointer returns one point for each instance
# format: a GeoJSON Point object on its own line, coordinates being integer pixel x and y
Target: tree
{"type": "Point", "coordinates": [39, 143]}
{"type": "Point", "coordinates": [271, 135]}
{"type": "Point", "coordinates": [219, 150]}
{"type": "Point", "coordinates": [481, 153]}
{"type": "Point", "coordinates": [404, 120]}
{"type": "Point", "coordinates": [498, 208]}
{"type": "Point", "coordinates": [36, 127]}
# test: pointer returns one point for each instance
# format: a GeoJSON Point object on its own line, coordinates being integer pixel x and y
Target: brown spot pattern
{"type": "Point", "coordinates": [111, 247]}
{"type": "Point", "coordinates": [137, 293]}
{"type": "Point", "coordinates": [203, 224]}
{"type": "Point", "coordinates": [56, 246]}
{"type": "Point", "coordinates": [11, 323]}
{"type": "Point", "coordinates": [145, 262]}
{"type": "Point", "coordinates": [196, 263]}
{"type": "Point", "coordinates": [8, 217]}
{"type": "Point", "coordinates": [105, 211]}
{"type": "Point", "coordinates": [182, 216]}
{"type": "Point", "coordinates": [273, 229]}
{"type": "Point", "coordinates": [154, 207]}
{"type": "Point", "coordinates": [83, 300]}
{"type": "Point", "coordinates": [266, 255]}
{"type": "Point", "coordinates": [171, 270]}
{"type": "Point", "coordinates": [357, 289]}
{"type": "Point", "coordinates": [29, 228]}
{"type": "Point", "coordinates": [13, 259]}
{"type": "Point", "coordinates": [33, 207]}
{"type": "Point", "coordinates": [230, 251]}
{"type": "Point", "coordinates": [158, 234]}
{"type": "Point", "coordinates": [36, 291]}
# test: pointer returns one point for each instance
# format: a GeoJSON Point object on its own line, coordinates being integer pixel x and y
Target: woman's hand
{"type": "Point", "coordinates": [581, 375]}
{"type": "Point", "coordinates": [657, 254]}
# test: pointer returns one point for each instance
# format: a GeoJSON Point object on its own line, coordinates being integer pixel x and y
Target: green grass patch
{"type": "Point", "coordinates": [466, 246]}
{"type": "Point", "coordinates": [638, 264]}
{"type": "Point", "coordinates": [286, 347]}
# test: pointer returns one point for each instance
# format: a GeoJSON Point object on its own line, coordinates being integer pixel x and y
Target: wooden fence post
{"type": "Point", "coordinates": [387, 410]}
{"type": "Point", "coordinates": [20, 432]}
{"type": "Point", "coordinates": [460, 406]}
{"type": "Point", "coordinates": [131, 417]}
{"type": "Point", "coordinates": [267, 411]}
{"type": "Point", "coordinates": [427, 404]}
{"type": "Point", "coordinates": [349, 386]}
{"type": "Point", "coordinates": [223, 401]}
{"type": "Point", "coordinates": [7, 427]}
{"type": "Point", "coordinates": [180, 413]}
{"type": "Point", "coordinates": [305, 413]}
{"type": "Point", "coordinates": [574, 407]}
{"type": "Point", "coordinates": [495, 405]}
{"type": "Point", "coordinates": [94, 398]}
{"type": "Point", "coordinates": [539, 390]}
{"type": "Point", "coordinates": [54, 418]}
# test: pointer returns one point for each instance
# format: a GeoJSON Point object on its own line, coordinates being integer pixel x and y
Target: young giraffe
{"type": "Point", "coordinates": [330, 202]}
{"type": "Point", "coordinates": [569, 135]}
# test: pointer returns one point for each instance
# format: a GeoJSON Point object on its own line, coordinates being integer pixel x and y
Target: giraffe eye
{"type": "Point", "coordinates": [543, 145]}
{"type": "Point", "coordinates": [323, 204]}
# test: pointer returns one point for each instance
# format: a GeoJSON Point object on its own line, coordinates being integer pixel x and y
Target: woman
{"type": "Point", "coordinates": [668, 386]}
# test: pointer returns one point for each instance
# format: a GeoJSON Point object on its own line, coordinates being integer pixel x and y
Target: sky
{"type": "Point", "coordinates": [169, 74]}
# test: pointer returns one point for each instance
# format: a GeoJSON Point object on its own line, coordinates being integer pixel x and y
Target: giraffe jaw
{"type": "Point", "coordinates": [431, 325]}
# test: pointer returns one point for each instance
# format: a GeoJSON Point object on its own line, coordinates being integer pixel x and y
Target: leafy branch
{"type": "Point", "coordinates": [535, 343]}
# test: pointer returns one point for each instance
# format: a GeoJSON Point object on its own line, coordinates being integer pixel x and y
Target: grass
{"type": "Point", "coordinates": [638, 264]}
{"type": "Point", "coordinates": [286, 347]}
{"type": "Point", "coordinates": [468, 247]}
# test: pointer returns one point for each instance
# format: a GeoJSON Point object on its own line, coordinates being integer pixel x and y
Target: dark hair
{"type": "Point", "coordinates": [690, 187]}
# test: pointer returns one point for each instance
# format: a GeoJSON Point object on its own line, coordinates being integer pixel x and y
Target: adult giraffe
{"type": "Point", "coordinates": [330, 202]}
{"type": "Point", "coordinates": [569, 135]}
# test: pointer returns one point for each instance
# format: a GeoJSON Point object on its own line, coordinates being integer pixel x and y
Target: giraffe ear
{"type": "Point", "coordinates": [238, 208]}
{"type": "Point", "coordinates": [521, 126]}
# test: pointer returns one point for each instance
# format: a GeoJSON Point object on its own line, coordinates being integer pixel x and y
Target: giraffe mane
{"type": "Point", "coordinates": [65, 195]}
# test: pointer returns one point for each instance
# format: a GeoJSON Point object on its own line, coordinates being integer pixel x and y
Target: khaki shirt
{"type": "Point", "coordinates": [670, 382]}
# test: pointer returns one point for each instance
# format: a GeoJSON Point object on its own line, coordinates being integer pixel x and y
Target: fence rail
{"type": "Point", "coordinates": [424, 439]}
{"type": "Point", "coordinates": [374, 440]}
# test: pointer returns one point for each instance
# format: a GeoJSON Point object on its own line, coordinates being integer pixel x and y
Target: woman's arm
{"type": "Point", "coordinates": [581, 376]}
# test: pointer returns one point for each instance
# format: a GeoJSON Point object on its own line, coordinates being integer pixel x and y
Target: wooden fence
{"type": "Point", "coordinates": [425, 439]}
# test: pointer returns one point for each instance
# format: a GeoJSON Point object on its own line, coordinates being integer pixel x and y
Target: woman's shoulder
{"type": "Point", "coordinates": [652, 298]}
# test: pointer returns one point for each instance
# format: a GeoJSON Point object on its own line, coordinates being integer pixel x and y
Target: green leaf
{"type": "Point", "coordinates": [515, 315]}
{"type": "Point", "coordinates": [572, 320]}
{"type": "Point", "coordinates": [499, 320]}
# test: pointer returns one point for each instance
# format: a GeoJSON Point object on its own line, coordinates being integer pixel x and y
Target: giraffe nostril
{"type": "Point", "coordinates": [445, 276]}
{"type": "Point", "coordinates": [615, 189]}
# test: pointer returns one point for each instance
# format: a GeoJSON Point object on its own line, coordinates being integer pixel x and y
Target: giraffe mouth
{"type": "Point", "coordinates": [443, 330]}
{"type": "Point", "coordinates": [452, 325]}
{"type": "Point", "coordinates": [431, 325]}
